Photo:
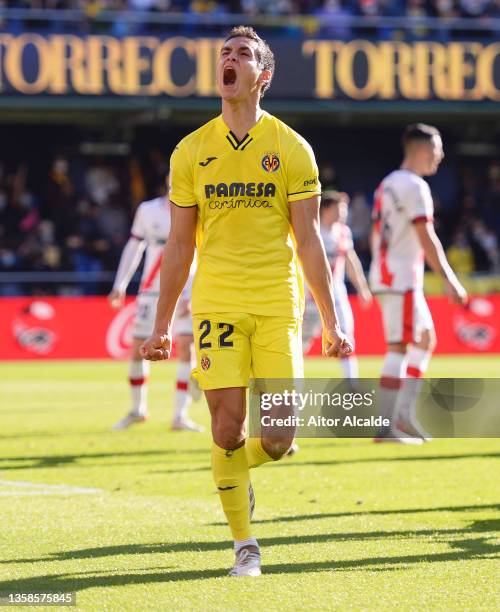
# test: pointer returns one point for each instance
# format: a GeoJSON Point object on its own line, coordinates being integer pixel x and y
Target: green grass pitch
{"type": "Point", "coordinates": [131, 521]}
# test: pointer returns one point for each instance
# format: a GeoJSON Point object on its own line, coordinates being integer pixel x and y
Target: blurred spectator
{"type": "Point", "coordinates": [86, 246]}
{"type": "Point", "coordinates": [494, 9]}
{"type": "Point", "coordinates": [203, 6]}
{"type": "Point", "coordinates": [113, 225]}
{"type": "Point", "coordinates": [59, 195]}
{"type": "Point", "coordinates": [359, 216]}
{"type": "Point", "coordinates": [101, 183]}
{"type": "Point", "coordinates": [359, 221]}
{"type": "Point", "coordinates": [460, 253]}
{"type": "Point", "coordinates": [490, 210]}
{"type": "Point", "coordinates": [445, 9]}
{"type": "Point", "coordinates": [155, 170]}
{"type": "Point", "coordinates": [474, 8]}
{"type": "Point", "coordinates": [469, 209]}
{"type": "Point", "coordinates": [366, 8]}
{"type": "Point", "coordinates": [328, 177]}
{"type": "Point", "coordinates": [332, 17]}
{"type": "Point", "coordinates": [416, 9]}
{"type": "Point", "coordinates": [143, 5]}
{"type": "Point", "coordinates": [486, 253]}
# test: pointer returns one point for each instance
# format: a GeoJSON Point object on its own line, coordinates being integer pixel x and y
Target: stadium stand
{"type": "Point", "coordinates": [66, 209]}
{"type": "Point", "coordinates": [78, 218]}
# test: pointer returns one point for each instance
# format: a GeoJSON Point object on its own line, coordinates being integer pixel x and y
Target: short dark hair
{"type": "Point", "coordinates": [418, 132]}
{"type": "Point", "coordinates": [264, 54]}
{"type": "Point", "coordinates": [328, 198]}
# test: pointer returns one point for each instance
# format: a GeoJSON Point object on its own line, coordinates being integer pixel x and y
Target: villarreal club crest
{"type": "Point", "coordinates": [270, 162]}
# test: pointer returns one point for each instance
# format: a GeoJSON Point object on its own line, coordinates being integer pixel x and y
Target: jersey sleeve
{"type": "Point", "coordinates": [302, 173]}
{"type": "Point", "coordinates": [138, 230]}
{"type": "Point", "coordinates": [420, 204]}
{"type": "Point", "coordinates": [181, 182]}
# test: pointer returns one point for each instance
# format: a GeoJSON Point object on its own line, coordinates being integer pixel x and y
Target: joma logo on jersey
{"type": "Point", "coordinates": [270, 162]}
{"type": "Point", "coordinates": [223, 190]}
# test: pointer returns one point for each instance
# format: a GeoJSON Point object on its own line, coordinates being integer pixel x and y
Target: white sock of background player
{"type": "Point", "coordinates": [418, 362]}
{"type": "Point", "coordinates": [182, 396]}
{"type": "Point", "coordinates": [138, 372]}
{"type": "Point", "coordinates": [349, 366]}
{"type": "Point", "coordinates": [393, 372]}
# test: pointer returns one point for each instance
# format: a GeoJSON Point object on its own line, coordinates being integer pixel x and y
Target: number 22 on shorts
{"type": "Point", "coordinates": [224, 331]}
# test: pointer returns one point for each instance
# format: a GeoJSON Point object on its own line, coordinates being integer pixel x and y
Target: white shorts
{"type": "Point", "coordinates": [344, 311]}
{"type": "Point", "coordinates": [312, 321]}
{"type": "Point", "coordinates": [145, 318]}
{"type": "Point", "coordinates": [405, 316]}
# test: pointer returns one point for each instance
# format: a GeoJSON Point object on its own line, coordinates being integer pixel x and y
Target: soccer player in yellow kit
{"type": "Point", "coordinates": [245, 191]}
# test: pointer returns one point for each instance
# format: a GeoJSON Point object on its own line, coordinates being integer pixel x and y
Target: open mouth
{"type": "Point", "coordinates": [229, 76]}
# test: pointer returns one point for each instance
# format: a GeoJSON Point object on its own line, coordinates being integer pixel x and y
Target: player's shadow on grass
{"type": "Point", "coordinates": [50, 461]}
{"type": "Point", "coordinates": [466, 549]}
{"type": "Point", "coordinates": [286, 463]}
{"type": "Point", "coordinates": [438, 535]}
{"type": "Point", "coordinates": [312, 517]}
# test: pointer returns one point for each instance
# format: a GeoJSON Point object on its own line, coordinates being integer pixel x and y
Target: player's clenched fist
{"type": "Point", "coordinates": [336, 343]}
{"type": "Point", "coordinates": [455, 292]}
{"type": "Point", "coordinates": [116, 298]}
{"type": "Point", "coordinates": [157, 347]}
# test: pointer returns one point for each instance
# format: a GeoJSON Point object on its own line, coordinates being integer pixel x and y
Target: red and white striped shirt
{"type": "Point", "coordinates": [397, 265]}
{"type": "Point", "coordinates": [150, 230]}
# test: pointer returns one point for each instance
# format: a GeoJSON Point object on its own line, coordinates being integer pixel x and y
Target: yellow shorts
{"type": "Point", "coordinates": [232, 347]}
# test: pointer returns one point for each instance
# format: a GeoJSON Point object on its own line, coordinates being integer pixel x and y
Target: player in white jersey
{"type": "Point", "coordinates": [339, 247]}
{"type": "Point", "coordinates": [149, 233]}
{"type": "Point", "coordinates": [403, 238]}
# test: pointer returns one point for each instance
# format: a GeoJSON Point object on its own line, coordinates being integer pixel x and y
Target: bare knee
{"type": "Point", "coordinates": [276, 447]}
{"type": "Point", "coordinates": [227, 408]}
{"type": "Point", "coordinates": [228, 433]}
{"type": "Point", "coordinates": [428, 340]}
{"type": "Point", "coordinates": [135, 352]}
{"type": "Point", "coordinates": [397, 347]}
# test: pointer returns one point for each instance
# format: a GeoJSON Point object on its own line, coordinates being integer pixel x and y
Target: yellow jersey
{"type": "Point", "coordinates": [242, 188]}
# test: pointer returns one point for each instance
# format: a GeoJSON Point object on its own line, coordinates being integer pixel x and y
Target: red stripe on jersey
{"type": "Point", "coordinates": [408, 317]}
{"type": "Point", "coordinates": [414, 372]}
{"type": "Point", "coordinates": [377, 208]}
{"type": "Point", "coordinates": [181, 385]}
{"type": "Point", "coordinates": [389, 382]}
{"type": "Point", "coordinates": [422, 218]}
{"type": "Point", "coordinates": [386, 277]}
{"type": "Point", "coordinates": [152, 273]}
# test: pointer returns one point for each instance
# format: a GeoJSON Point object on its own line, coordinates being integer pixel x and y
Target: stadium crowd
{"type": "Point", "coordinates": [251, 8]}
{"type": "Point", "coordinates": [401, 20]}
{"type": "Point", "coordinates": [77, 219]}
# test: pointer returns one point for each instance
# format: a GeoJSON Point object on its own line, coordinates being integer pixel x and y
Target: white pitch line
{"type": "Point", "coordinates": [44, 489]}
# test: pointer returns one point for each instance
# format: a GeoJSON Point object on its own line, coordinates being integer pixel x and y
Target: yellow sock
{"type": "Point", "coordinates": [232, 478]}
{"type": "Point", "coordinates": [256, 455]}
